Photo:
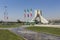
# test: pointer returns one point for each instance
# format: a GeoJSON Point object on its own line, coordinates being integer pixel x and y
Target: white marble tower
{"type": "Point", "coordinates": [38, 16]}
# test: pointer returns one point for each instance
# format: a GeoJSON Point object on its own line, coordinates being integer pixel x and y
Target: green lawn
{"type": "Point", "coordinates": [9, 25]}
{"type": "Point", "coordinates": [50, 30]}
{"type": "Point", "coordinates": [7, 35]}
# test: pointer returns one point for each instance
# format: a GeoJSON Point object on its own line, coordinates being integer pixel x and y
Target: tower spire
{"type": "Point", "coordinates": [38, 14]}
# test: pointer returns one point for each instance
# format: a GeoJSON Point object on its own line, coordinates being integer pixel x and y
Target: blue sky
{"type": "Point", "coordinates": [15, 8]}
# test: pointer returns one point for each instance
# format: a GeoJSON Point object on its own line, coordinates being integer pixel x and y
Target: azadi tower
{"type": "Point", "coordinates": [38, 16]}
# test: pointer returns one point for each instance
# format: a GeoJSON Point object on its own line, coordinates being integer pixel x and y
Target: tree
{"type": "Point", "coordinates": [18, 21]}
{"type": "Point", "coordinates": [36, 22]}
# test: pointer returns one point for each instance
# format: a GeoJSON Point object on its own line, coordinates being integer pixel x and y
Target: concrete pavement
{"type": "Point", "coordinates": [55, 26]}
{"type": "Point", "coordinates": [30, 35]}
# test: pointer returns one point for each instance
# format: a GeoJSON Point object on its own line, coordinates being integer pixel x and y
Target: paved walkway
{"type": "Point", "coordinates": [55, 26]}
{"type": "Point", "coordinates": [30, 35]}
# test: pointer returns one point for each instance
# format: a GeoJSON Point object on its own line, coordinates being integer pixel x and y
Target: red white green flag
{"type": "Point", "coordinates": [7, 17]}
{"type": "Point", "coordinates": [31, 12]}
{"type": "Point", "coordinates": [27, 15]}
{"type": "Point", "coordinates": [24, 13]}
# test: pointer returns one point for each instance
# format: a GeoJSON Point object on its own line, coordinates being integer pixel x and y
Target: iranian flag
{"type": "Point", "coordinates": [27, 13]}
{"type": "Point", "coordinates": [7, 17]}
{"type": "Point", "coordinates": [31, 12]}
{"type": "Point", "coordinates": [24, 13]}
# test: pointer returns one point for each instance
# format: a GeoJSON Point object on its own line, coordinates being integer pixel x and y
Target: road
{"type": "Point", "coordinates": [30, 35]}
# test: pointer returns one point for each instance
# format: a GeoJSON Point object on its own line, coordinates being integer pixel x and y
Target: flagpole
{"type": "Point", "coordinates": [5, 15]}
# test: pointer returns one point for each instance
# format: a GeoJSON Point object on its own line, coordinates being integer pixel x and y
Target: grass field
{"type": "Point", "coordinates": [50, 30]}
{"type": "Point", "coordinates": [7, 35]}
{"type": "Point", "coordinates": [9, 25]}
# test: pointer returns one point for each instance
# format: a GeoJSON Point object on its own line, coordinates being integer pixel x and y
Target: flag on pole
{"type": "Point", "coordinates": [7, 17]}
{"type": "Point", "coordinates": [31, 9]}
{"type": "Point", "coordinates": [27, 15]}
{"type": "Point", "coordinates": [31, 12]}
{"type": "Point", "coordinates": [24, 13]}
{"type": "Point", "coordinates": [27, 10]}
{"type": "Point", "coordinates": [4, 13]}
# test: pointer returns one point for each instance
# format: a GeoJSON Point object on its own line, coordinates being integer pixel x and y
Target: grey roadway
{"type": "Point", "coordinates": [30, 35]}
